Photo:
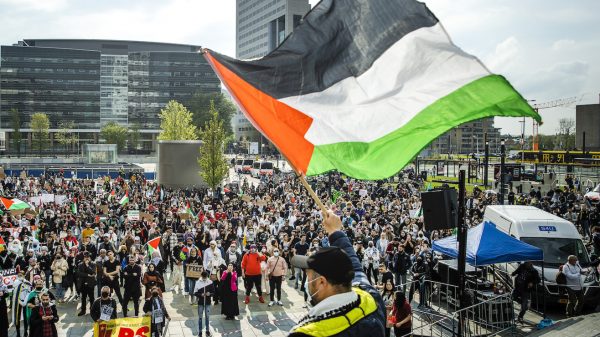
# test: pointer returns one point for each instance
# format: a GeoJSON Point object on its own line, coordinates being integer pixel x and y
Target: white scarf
{"type": "Point", "coordinates": [332, 302]}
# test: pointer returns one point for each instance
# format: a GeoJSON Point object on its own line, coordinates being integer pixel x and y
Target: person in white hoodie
{"type": "Point", "coordinates": [371, 262]}
{"type": "Point", "coordinates": [204, 290]}
{"type": "Point", "coordinates": [573, 272]}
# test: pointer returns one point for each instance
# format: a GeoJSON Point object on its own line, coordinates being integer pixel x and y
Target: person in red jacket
{"type": "Point", "coordinates": [251, 272]}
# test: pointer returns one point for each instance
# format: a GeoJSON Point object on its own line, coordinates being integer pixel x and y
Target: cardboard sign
{"type": "Point", "coordinates": [185, 216]}
{"type": "Point", "coordinates": [133, 215]}
{"type": "Point", "coordinates": [104, 209]}
{"type": "Point", "coordinates": [193, 270]}
{"type": "Point", "coordinates": [147, 216]}
{"type": "Point", "coordinates": [246, 198]}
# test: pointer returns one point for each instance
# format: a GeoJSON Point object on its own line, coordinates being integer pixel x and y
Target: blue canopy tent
{"type": "Point", "coordinates": [488, 245]}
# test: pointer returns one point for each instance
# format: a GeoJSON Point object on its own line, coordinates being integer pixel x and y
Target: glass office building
{"type": "Point", "coordinates": [93, 82]}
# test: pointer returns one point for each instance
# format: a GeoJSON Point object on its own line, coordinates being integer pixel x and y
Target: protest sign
{"type": "Point", "coordinates": [133, 215]}
{"type": "Point", "coordinates": [60, 199]}
{"type": "Point", "coordinates": [47, 198]}
{"type": "Point", "coordinates": [193, 270]}
{"type": "Point", "coordinates": [120, 327]}
{"type": "Point", "coordinates": [8, 277]}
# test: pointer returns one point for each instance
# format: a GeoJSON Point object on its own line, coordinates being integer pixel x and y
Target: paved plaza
{"type": "Point", "coordinates": [255, 319]}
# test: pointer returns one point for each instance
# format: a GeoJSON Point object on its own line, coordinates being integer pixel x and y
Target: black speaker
{"type": "Point", "coordinates": [440, 209]}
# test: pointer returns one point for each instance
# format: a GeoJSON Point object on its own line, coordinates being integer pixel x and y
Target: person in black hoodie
{"type": "Point", "coordinates": [204, 290]}
{"type": "Point", "coordinates": [400, 266]}
{"type": "Point", "coordinates": [133, 286]}
{"type": "Point", "coordinates": [86, 276]}
{"type": "Point", "coordinates": [104, 307]}
{"type": "Point", "coordinates": [526, 279]}
{"type": "Point", "coordinates": [155, 307]}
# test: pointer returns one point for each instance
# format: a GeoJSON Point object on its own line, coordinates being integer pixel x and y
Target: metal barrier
{"type": "Point", "coordinates": [439, 316]}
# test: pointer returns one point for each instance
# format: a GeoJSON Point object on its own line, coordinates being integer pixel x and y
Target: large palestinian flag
{"type": "Point", "coordinates": [362, 86]}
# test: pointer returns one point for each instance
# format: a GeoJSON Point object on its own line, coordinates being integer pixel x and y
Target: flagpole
{"type": "Point", "coordinates": [313, 194]}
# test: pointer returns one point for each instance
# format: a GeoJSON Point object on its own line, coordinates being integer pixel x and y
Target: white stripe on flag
{"type": "Point", "coordinates": [416, 71]}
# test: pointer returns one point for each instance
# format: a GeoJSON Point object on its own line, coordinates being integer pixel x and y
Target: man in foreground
{"type": "Point", "coordinates": [338, 307]}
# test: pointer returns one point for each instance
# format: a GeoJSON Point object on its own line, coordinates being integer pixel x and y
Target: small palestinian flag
{"type": "Point", "coordinates": [2, 244]}
{"type": "Point", "coordinates": [14, 204]}
{"type": "Point", "coordinates": [125, 199]}
{"type": "Point", "coordinates": [111, 196]}
{"type": "Point", "coordinates": [335, 194]}
{"type": "Point", "coordinates": [188, 210]}
{"type": "Point", "coordinates": [1, 212]}
{"type": "Point", "coordinates": [363, 86]}
{"type": "Point", "coordinates": [153, 246]}
{"type": "Point", "coordinates": [74, 207]}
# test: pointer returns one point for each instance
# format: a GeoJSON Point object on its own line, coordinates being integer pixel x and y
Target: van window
{"type": "Point", "coordinates": [266, 166]}
{"type": "Point", "coordinates": [248, 162]}
{"type": "Point", "coordinates": [557, 250]}
{"type": "Point", "coordinates": [256, 165]}
{"type": "Point", "coordinates": [239, 162]}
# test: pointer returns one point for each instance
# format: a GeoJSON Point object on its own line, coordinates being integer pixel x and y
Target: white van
{"type": "Point", "coordinates": [266, 168]}
{"type": "Point", "coordinates": [255, 169]}
{"type": "Point", "coordinates": [557, 237]}
{"type": "Point", "coordinates": [238, 165]}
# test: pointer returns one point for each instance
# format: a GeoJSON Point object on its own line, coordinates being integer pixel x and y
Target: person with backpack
{"type": "Point", "coordinates": [573, 271]}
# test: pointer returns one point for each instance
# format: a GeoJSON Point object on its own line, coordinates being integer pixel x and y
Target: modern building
{"type": "Point", "coordinates": [467, 138]}
{"type": "Point", "coordinates": [94, 82]}
{"type": "Point", "coordinates": [261, 25]}
{"type": "Point", "coordinates": [587, 120]}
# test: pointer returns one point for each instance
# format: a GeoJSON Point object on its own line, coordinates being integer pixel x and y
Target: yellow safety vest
{"type": "Point", "coordinates": [334, 325]}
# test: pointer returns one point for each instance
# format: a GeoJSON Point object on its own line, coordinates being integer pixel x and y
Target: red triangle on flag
{"type": "Point", "coordinates": [6, 202]}
{"type": "Point", "coordinates": [154, 242]}
{"type": "Point", "coordinates": [2, 241]}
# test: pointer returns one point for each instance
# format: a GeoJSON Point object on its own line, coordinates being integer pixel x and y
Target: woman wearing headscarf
{"type": "Point", "coordinates": [151, 279]}
{"type": "Point", "coordinates": [229, 301]}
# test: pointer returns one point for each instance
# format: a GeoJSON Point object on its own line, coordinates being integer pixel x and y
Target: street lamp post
{"type": "Point", "coordinates": [502, 159]}
{"type": "Point", "coordinates": [486, 160]}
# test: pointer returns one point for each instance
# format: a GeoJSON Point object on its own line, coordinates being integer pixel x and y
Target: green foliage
{"type": "Point", "coordinates": [566, 134]}
{"type": "Point", "coordinates": [212, 162]}
{"type": "Point", "coordinates": [176, 123]}
{"type": "Point", "coordinates": [200, 105]}
{"type": "Point", "coordinates": [114, 133]}
{"type": "Point", "coordinates": [134, 135]}
{"type": "Point", "coordinates": [16, 135]}
{"type": "Point", "coordinates": [65, 136]}
{"type": "Point", "coordinates": [39, 126]}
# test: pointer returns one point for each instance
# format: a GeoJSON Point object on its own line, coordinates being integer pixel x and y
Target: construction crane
{"type": "Point", "coordinates": [548, 105]}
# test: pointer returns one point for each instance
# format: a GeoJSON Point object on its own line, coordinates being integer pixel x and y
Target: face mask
{"type": "Point", "coordinates": [252, 250]}
{"type": "Point", "coordinates": [105, 295]}
{"type": "Point", "coordinates": [39, 287]}
{"type": "Point", "coordinates": [312, 302]}
{"type": "Point", "coordinates": [276, 253]}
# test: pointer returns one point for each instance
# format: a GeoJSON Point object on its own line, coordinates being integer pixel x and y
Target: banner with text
{"type": "Point", "coordinates": [124, 327]}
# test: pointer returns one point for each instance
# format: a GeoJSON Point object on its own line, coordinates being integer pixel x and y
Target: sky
{"type": "Point", "coordinates": [548, 49]}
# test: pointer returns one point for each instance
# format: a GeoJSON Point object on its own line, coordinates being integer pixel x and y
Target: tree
{"type": "Point", "coordinates": [213, 165]}
{"type": "Point", "coordinates": [134, 136]}
{"type": "Point", "coordinates": [113, 133]}
{"type": "Point", "coordinates": [16, 134]}
{"type": "Point", "coordinates": [65, 136]}
{"type": "Point", "coordinates": [566, 133]}
{"type": "Point", "coordinates": [546, 142]}
{"type": "Point", "coordinates": [200, 105]}
{"type": "Point", "coordinates": [176, 123]}
{"type": "Point", "coordinates": [39, 130]}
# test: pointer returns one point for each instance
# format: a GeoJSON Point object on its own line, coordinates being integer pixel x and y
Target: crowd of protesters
{"type": "Point", "coordinates": [88, 248]}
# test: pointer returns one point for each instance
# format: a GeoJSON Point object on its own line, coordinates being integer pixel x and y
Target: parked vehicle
{"type": "Point", "coordinates": [238, 165]}
{"type": "Point", "coordinates": [593, 196]}
{"type": "Point", "coordinates": [255, 169]}
{"type": "Point", "coordinates": [266, 169]}
{"type": "Point", "coordinates": [247, 165]}
{"type": "Point", "coordinates": [557, 237]}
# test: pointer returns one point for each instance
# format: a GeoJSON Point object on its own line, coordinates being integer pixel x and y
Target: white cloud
{"type": "Point", "coordinates": [563, 45]}
{"type": "Point", "coordinates": [35, 5]}
{"type": "Point", "coordinates": [504, 55]}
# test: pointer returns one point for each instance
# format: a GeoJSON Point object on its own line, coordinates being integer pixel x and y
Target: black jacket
{"type": "Point", "coordinates": [83, 273]}
{"type": "Point", "coordinates": [401, 263]}
{"type": "Point", "coordinates": [98, 303]}
{"type": "Point", "coordinates": [373, 324]}
{"type": "Point", "coordinates": [524, 277]}
{"type": "Point", "coordinates": [133, 284]}
{"type": "Point", "coordinates": [205, 292]}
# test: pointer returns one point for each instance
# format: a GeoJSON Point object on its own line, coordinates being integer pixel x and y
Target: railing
{"type": "Point", "coordinates": [439, 316]}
